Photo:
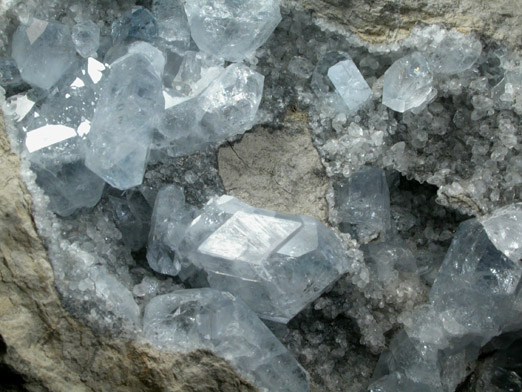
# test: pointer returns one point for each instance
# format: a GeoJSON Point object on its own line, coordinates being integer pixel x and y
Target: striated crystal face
{"type": "Point", "coordinates": [43, 51]}
{"type": "Point", "coordinates": [350, 84]}
{"type": "Point", "coordinates": [128, 109]}
{"type": "Point", "coordinates": [407, 83]}
{"type": "Point", "coordinates": [212, 320]}
{"type": "Point", "coordinates": [363, 201]}
{"type": "Point", "coordinates": [232, 29]}
{"type": "Point", "coordinates": [226, 107]}
{"type": "Point", "coordinates": [276, 263]}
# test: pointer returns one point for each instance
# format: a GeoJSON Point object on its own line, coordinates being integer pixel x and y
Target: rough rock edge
{"type": "Point", "coordinates": [55, 352]}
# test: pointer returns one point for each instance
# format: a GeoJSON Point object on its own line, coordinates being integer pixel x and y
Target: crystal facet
{"type": "Point", "coordinates": [86, 38]}
{"type": "Point", "coordinates": [43, 51]}
{"type": "Point", "coordinates": [127, 111]}
{"type": "Point", "coordinates": [212, 320]}
{"type": "Point", "coordinates": [407, 83]}
{"type": "Point", "coordinates": [456, 53]}
{"type": "Point", "coordinates": [232, 30]}
{"type": "Point", "coordinates": [277, 263]}
{"type": "Point", "coordinates": [350, 84]}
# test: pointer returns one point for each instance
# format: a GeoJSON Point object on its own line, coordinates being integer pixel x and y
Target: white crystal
{"type": "Point", "coordinates": [232, 30]}
{"type": "Point", "coordinates": [350, 84]}
{"type": "Point", "coordinates": [86, 38]}
{"type": "Point", "coordinates": [129, 107]}
{"type": "Point", "coordinates": [211, 320]}
{"type": "Point", "coordinates": [407, 83]}
{"type": "Point", "coordinates": [43, 51]}
{"type": "Point", "coordinates": [456, 53]}
{"type": "Point", "coordinates": [277, 263]}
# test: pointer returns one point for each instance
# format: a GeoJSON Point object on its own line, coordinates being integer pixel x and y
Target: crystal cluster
{"type": "Point", "coordinates": [475, 297]}
{"type": "Point", "coordinates": [208, 319]}
{"type": "Point", "coordinates": [276, 263]}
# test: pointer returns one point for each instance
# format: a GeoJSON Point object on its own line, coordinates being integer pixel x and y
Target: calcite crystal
{"type": "Point", "coordinates": [209, 319]}
{"type": "Point", "coordinates": [43, 51]}
{"type": "Point", "coordinates": [232, 30]}
{"type": "Point", "coordinates": [407, 83]}
{"type": "Point", "coordinates": [126, 113]}
{"type": "Point", "coordinates": [276, 263]}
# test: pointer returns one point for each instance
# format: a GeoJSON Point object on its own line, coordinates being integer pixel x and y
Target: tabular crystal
{"type": "Point", "coordinates": [350, 84]}
{"type": "Point", "coordinates": [129, 107]}
{"type": "Point", "coordinates": [407, 83]}
{"type": "Point", "coordinates": [208, 319]}
{"type": "Point", "coordinates": [276, 263]}
{"type": "Point", "coordinates": [43, 51]}
{"type": "Point", "coordinates": [232, 30]}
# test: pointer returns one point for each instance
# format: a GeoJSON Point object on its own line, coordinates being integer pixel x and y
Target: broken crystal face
{"type": "Point", "coordinates": [232, 30]}
{"type": "Point", "coordinates": [407, 83]}
{"type": "Point", "coordinates": [363, 201]}
{"type": "Point", "coordinates": [117, 145]}
{"type": "Point", "coordinates": [43, 51]}
{"type": "Point", "coordinates": [276, 263]}
{"type": "Point", "coordinates": [217, 321]}
{"type": "Point", "coordinates": [350, 84]}
{"type": "Point", "coordinates": [226, 107]}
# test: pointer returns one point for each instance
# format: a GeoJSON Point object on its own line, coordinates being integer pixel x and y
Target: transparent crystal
{"type": "Point", "coordinates": [232, 30]}
{"type": "Point", "coordinates": [140, 24]}
{"type": "Point", "coordinates": [407, 83]}
{"type": "Point", "coordinates": [456, 53]}
{"type": "Point", "coordinates": [172, 23]}
{"type": "Point", "coordinates": [350, 84]}
{"type": "Point", "coordinates": [9, 73]}
{"type": "Point", "coordinates": [43, 51]}
{"type": "Point", "coordinates": [129, 107]}
{"type": "Point", "coordinates": [276, 263]}
{"type": "Point", "coordinates": [86, 38]}
{"type": "Point", "coordinates": [225, 108]}
{"type": "Point", "coordinates": [211, 320]}
{"type": "Point", "coordinates": [170, 218]}
{"type": "Point", "coordinates": [363, 202]}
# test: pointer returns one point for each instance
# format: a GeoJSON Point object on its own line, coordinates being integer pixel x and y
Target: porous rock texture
{"type": "Point", "coordinates": [45, 349]}
{"type": "Point", "coordinates": [385, 20]}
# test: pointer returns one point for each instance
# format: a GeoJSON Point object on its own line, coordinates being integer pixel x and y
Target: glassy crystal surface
{"type": "Point", "coordinates": [140, 24]}
{"type": "Point", "coordinates": [172, 21]}
{"type": "Point", "coordinates": [456, 53]}
{"type": "Point", "coordinates": [276, 263]}
{"type": "Point", "coordinates": [350, 84]}
{"type": "Point", "coordinates": [170, 218]}
{"type": "Point", "coordinates": [9, 73]}
{"type": "Point", "coordinates": [232, 30]}
{"type": "Point", "coordinates": [43, 51]}
{"type": "Point", "coordinates": [321, 83]}
{"type": "Point", "coordinates": [217, 321]}
{"type": "Point", "coordinates": [363, 201]}
{"type": "Point", "coordinates": [407, 83]}
{"type": "Point", "coordinates": [225, 108]}
{"type": "Point", "coordinates": [86, 38]}
{"type": "Point", "coordinates": [129, 107]}
{"type": "Point", "coordinates": [387, 258]}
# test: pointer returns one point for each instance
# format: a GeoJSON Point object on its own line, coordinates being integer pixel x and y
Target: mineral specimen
{"type": "Point", "coordinates": [456, 53]}
{"type": "Point", "coordinates": [350, 84]}
{"type": "Point", "coordinates": [407, 83]}
{"type": "Point", "coordinates": [43, 51]}
{"type": "Point", "coordinates": [276, 263]}
{"type": "Point", "coordinates": [212, 320]}
{"type": "Point", "coordinates": [126, 113]}
{"type": "Point", "coordinates": [363, 201]}
{"type": "Point", "coordinates": [86, 38]}
{"type": "Point", "coordinates": [232, 30]}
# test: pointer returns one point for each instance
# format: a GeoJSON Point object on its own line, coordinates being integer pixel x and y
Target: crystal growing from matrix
{"type": "Point", "coordinates": [86, 38]}
{"type": "Point", "coordinates": [350, 84]}
{"type": "Point", "coordinates": [232, 30]}
{"type": "Point", "coordinates": [456, 53]}
{"type": "Point", "coordinates": [129, 107]}
{"type": "Point", "coordinates": [407, 83]}
{"type": "Point", "coordinates": [276, 263]}
{"type": "Point", "coordinates": [363, 201]}
{"type": "Point", "coordinates": [217, 321]}
{"type": "Point", "coordinates": [227, 107]}
{"type": "Point", "coordinates": [43, 51]}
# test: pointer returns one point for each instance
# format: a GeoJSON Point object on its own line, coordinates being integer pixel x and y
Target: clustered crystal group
{"type": "Point", "coordinates": [93, 108]}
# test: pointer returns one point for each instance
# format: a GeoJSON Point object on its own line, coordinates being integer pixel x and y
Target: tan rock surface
{"type": "Point", "coordinates": [385, 20]}
{"type": "Point", "coordinates": [276, 170]}
{"type": "Point", "coordinates": [55, 352]}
